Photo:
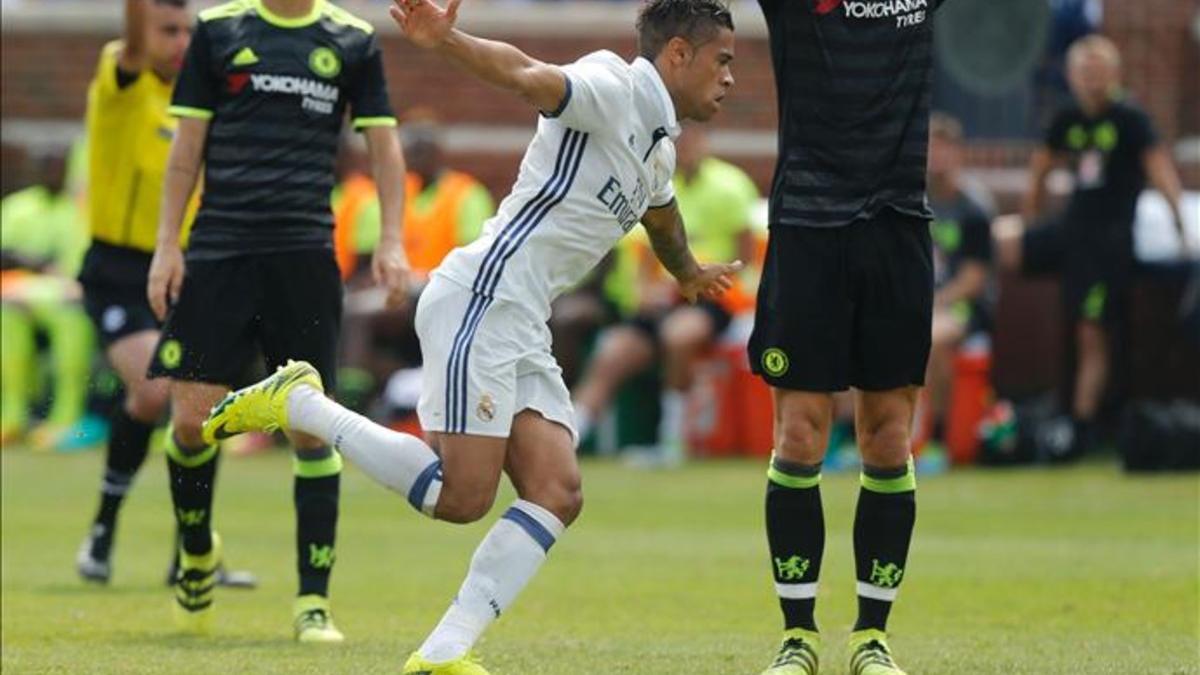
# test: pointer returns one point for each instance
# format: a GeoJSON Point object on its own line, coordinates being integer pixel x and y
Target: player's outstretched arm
{"type": "Point", "coordinates": [389, 265]}
{"type": "Point", "coordinates": [183, 169]}
{"type": "Point", "coordinates": [133, 49]}
{"type": "Point", "coordinates": [429, 26]}
{"type": "Point", "coordinates": [668, 238]}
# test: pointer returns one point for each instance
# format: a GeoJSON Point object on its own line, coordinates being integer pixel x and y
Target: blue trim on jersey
{"type": "Point", "coordinates": [536, 530]}
{"type": "Point", "coordinates": [562, 105]}
{"type": "Point", "coordinates": [420, 487]}
{"type": "Point", "coordinates": [553, 192]}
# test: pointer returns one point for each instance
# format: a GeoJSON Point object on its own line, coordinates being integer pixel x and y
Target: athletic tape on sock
{"type": "Point", "coordinates": [793, 474]}
{"type": "Point", "coordinates": [889, 481]}
{"type": "Point", "coordinates": [317, 468]}
{"type": "Point", "coordinates": [190, 460]}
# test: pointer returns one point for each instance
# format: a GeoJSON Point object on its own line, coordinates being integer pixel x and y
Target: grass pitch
{"type": "Point", "coordinates": [1080, 570]}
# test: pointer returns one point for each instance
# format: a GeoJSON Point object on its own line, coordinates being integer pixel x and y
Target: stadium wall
{"type": "Point", "coordinates": [48, 52]}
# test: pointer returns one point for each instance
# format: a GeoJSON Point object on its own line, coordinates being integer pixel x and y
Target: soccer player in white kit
{"type": "Point", "coordinates": [493, 398]}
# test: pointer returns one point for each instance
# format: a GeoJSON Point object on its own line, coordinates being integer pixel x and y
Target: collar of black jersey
{"type": "Point", "coordinates": [659, 97]}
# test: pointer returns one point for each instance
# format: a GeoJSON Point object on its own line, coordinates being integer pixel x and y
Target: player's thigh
{"type": "Point", "coordinates": [129, 356]}
{"type": "Point", "coordinates": [883, 424]}
{"type": "Point", "coordinates": [802, 423]}
{"type": "Point", "coordinates": [210, 333]}
{"type": "Point", "coordinates": [803, 315]}
{"type": "Point", "coordinates": [300, 301]}
{"type": "Point", "coordinates": [542, 465]}
{"type": "Point", "coordinates": [893, 302]}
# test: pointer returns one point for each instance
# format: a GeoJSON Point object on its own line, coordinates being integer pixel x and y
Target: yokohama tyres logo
{"type": "Point", "coordinates": [826, 6]}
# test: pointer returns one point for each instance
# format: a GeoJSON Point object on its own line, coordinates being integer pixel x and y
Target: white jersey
{"type": "Point", "coordinates": [591, 171]}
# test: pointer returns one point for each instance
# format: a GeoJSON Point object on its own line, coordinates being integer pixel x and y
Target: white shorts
{"type": "Point", "coordinates": [485, 361]}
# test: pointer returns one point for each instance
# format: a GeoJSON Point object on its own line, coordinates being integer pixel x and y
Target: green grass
{"type": "Point", "coordinates": [1071, 571]}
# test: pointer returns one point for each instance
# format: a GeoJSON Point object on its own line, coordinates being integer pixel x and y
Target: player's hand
{"type": "Point", "coordinates": [424, 23]}
{"type": "Point", "coordinates": [165, 280]}
{"type": "Point", "coordinates": [710, 281]}
{"type": "Point", "coordinates": [389, 269]}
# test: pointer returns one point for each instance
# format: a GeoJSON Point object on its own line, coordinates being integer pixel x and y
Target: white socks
{"type": "Point", "coordinates": [400, 462]}
{"type": "Point", "coordinates": [505, 561]}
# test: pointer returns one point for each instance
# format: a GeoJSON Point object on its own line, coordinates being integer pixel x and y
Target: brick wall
{"type": "Point", "coordinates": [45, 76]}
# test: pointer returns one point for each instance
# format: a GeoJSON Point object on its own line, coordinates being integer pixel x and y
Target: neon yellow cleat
{"type": "Point", "coordinates": [261, 406]}
{"type": "Point", "coordinates": [464, 665]}
{"type": "Point", "coordinates": [194, 584]}
{"type": "Point", "coordinates": [797, 654]}
{"type": "Point", "coordinates": [869, 654]}
{"type": "Point", "coordinates": [314, 622]}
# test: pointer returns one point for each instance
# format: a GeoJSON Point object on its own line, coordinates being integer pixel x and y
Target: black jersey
{"type": "Point", "coordinates": [854, 84]}
{"type": "Point", "coordinates": [1105, 154]}
{"type": "Point", "coordinates": [276, 91]}
{"type": "Point", "coordinates": [961, 231]}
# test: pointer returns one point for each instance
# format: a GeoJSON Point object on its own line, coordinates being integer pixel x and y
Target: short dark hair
{"type": "Point", "coordinates": [696, 21]}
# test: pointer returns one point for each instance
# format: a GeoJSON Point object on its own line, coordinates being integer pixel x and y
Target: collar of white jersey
{"type": "Point", "coordinates": [649, 76]}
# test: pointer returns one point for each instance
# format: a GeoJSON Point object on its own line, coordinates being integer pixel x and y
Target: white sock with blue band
{"type": "Point", "coordinates": [505, 561]}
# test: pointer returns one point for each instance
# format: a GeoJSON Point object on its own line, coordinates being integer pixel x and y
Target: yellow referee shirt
{"type": "Point", "coordinates": [129, 136]}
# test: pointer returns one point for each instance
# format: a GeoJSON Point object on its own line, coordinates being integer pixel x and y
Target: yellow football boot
{"type": "Point", "coordinates": [261, 406]}
{"type": "Point", "coordinates": [797, 654]}
{"type": "Point", "coordinates": [313, 621]}
{"type": "Point", "coordinates": [464, 665]}
{"type": "Point", "coordinates": [869, 654]}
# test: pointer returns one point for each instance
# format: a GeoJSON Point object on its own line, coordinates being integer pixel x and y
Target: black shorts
{"type": "Point", "coordinates": [1095, 268]}
{"type": "Point", "coordinates": [845, 307]}
{"type": "Point", "coordinates": [650, 324]}
{"type": "Point", "coordinates": [114, 292]}
{"type": "Point", "coordinates": [288, 305]}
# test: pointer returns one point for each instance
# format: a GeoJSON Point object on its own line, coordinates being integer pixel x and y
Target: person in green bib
{"type": "Point", "coordinates": [43, 239]}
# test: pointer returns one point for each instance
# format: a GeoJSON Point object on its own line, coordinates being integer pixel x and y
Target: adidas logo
{"type": "Point", "coordinates": [245, 57]}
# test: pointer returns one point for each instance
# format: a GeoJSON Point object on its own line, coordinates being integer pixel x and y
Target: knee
{"type": "Point", "coordinates": [563, 498]}
{"type": "Point", "coordinates": [686, 330]}
{"type": "Point", "coordinates": [186, 424]}
{"type": "Point", "coordinates": [463, 506]}
{"type": "Point", "coordinates": [885, 443]}
{"type": "Point", "coordinates": [801, 438]}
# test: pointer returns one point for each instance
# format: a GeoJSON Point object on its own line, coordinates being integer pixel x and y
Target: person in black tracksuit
{"type": "Point", "coordinates": [1112, 150]}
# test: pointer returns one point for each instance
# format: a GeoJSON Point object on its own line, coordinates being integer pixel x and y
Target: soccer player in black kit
{"type": "Point", "coordinates": [261, 97]}
{"type": "Point", "coordinates": [1111, 147]}
{"type": "Point", "coordinates": [846, 297]}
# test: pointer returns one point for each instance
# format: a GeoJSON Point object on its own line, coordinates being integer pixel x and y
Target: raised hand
{"type": "Point", "coordinates": [424, 23]}
{"type": "Point", "coordinates": [709, 281]}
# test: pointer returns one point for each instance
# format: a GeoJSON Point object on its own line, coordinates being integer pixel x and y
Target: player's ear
{"type": "Point", "coordinates": [679, 51]}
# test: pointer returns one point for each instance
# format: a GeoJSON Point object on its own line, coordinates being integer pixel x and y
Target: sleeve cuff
{"type": "Point", "coordinates": [194, 113]}
{"type": "Point", "coordinates": [364, 122]}
{"type": "Point", "coordinates": [662, 205]}
{"type": "Point", "coordinates": [562, 105]}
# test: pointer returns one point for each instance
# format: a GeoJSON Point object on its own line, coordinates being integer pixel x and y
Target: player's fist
{"type": "Point", "coordinates": [709, 281]}
{"type": "Point", "coordinates": [425, 24]}
{"type": "Point", "coordinates": [389, 269]}
{"type": "Point", "coordinates": [165, 279]}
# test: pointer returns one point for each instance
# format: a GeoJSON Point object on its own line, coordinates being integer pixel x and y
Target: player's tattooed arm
{"type": "Point", "coordinates": [429, 26]}
{"type": "Point", "coordinates": [668, 238]}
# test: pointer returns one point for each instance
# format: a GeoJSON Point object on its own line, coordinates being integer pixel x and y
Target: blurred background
{"type": "Point", "coordinates": [999, 73]}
